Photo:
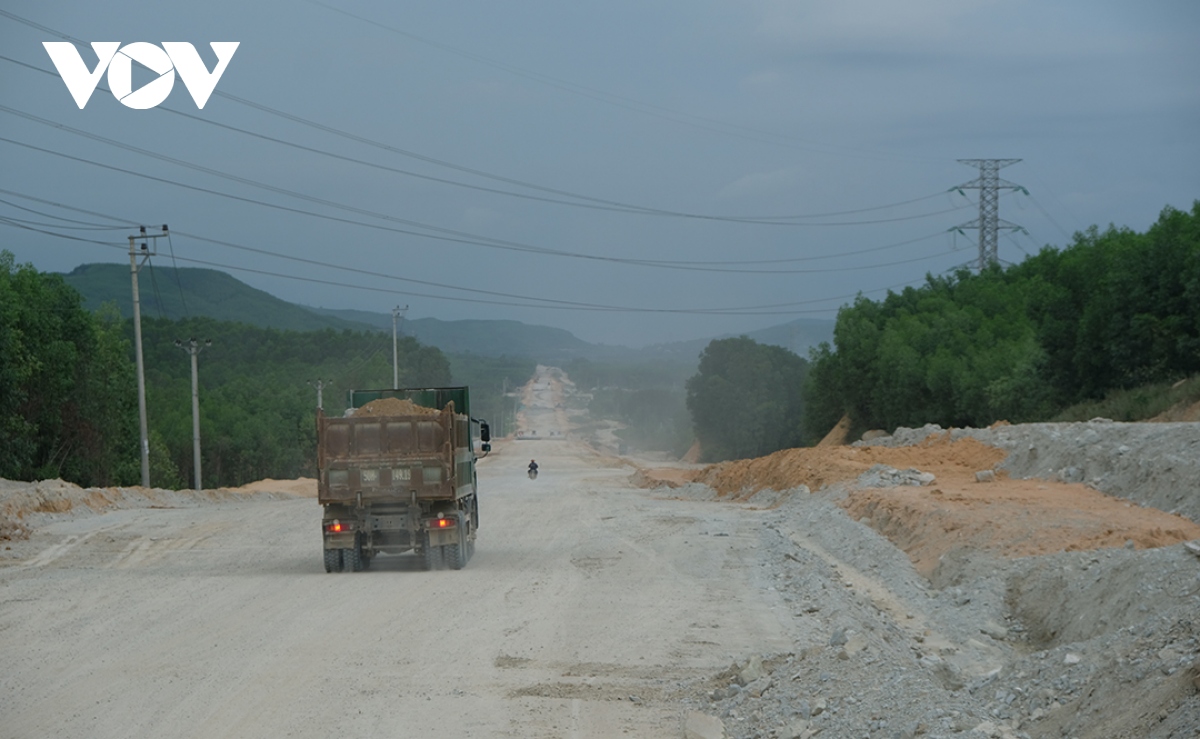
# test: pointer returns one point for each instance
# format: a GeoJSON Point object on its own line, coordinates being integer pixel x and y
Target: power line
{"type": "Point", "coordinates": [591, 203]}
{"type": "Point", "coordinates": [261, 185]}
{"type": "Point", "coordinates": [83, 225]}
{"type": "Point", "coordinates": [595, 203]}
{"type": "Point", "coordinates": [178, 279]}
{"type": "Point", "coordinates": [769, 309]}
{"type": "Point", "coordinates": [454, 237]}
{"type": "Point", "coordinates": [854, 252]}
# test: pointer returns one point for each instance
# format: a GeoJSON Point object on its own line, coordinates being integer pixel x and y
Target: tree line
{"type": "Point", "coordinates": [258, 399]}
{"type": "Point", "coordinates": [68, 403]}
{"type": "Point", "coordinates": [1113, 310]}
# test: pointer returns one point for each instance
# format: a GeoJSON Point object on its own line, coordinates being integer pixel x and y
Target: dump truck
{"type": "Point", "coordinates": [396, 474]}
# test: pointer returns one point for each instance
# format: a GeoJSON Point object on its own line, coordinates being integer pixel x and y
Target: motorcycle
{"type": "Point", "coordinates": [533, 474]}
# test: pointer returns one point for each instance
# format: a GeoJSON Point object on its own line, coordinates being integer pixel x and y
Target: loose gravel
{"type": "Point", "coordinates": [1102, 643]}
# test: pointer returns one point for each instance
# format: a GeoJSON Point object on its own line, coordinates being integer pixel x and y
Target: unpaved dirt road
{"type": "Point", "coordinates": [586, 605]}
{"type": "Point", "coordinates": [874, 591]}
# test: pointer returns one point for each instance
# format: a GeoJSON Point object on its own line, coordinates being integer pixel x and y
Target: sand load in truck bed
{"type": "Point", "coordinates": [393, 407]}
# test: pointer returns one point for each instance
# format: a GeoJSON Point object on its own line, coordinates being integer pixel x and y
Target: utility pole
{"type": "Point", "coordinates": [146, 253]}
{"type": "Point", "coordinates": [989, 222]}
{"type": "Point", "coordinates": [193, 347]}
{"type": "Point", "coordinates": [320, 385]}
{"type": "Point", "coordinates": [396, 313]}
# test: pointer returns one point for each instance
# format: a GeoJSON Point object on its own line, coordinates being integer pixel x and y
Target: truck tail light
{"type": "Point", "coordinates": [443, 523]}
{"type": "Point", "coordinates": [336, 527]}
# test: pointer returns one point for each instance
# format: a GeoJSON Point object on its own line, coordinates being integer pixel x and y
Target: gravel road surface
{"type": "Point", "coordinates": [588, 609]}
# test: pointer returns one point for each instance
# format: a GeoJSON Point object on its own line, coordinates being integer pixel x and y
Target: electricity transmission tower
{"type": "Point", "coordinates": [989, 222]}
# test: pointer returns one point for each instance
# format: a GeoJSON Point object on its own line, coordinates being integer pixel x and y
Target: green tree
{"type": "Point", "coordinates": [65, 384]}
{"type": "Point", "coordinates": [1114, 310]}
{"type": "Point", "coordinates": [746, 399]}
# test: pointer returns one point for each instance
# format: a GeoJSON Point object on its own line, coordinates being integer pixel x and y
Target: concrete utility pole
{"type": "Point", "coordinates": [146, 253]}
{"type": "Point", "coordinates": [989, 222]}
{"type": "Point", "coordinates": [320, 385]}
{"type": "Point", "coordinates": [396, 313]}
{"type": "Point", "coordinates": [193, 347]}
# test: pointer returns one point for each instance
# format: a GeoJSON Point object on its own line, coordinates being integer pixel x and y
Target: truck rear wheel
{"type": "Point", "coordinates": [430, 556]}
{"type": "Point", "coordinates": [333, 560]}
{"type": "Point", "coordinates": [457, 554]}
{"type": "Point", "coordinates": [353, 558]}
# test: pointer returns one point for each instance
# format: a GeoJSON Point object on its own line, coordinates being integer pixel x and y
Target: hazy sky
{"type": "Point", "coordinates": [644, 111]}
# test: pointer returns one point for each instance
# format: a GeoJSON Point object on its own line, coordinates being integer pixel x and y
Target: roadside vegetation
{"type": "Point", "coordinates": [68, 406]}
{"type": "Point", "coordinates": [745, 399]}
{"type": "Point", "coordinates": [1114, 311]}
{"type": "Point", "coordinates": [1158, 401]}
{"type": "Point", "coordinates": [1107, 326]}
{"type": "Point", "coordinates": [68, 403]}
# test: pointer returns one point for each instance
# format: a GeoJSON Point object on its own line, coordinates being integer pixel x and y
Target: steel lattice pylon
{"type": "Point", "coordinates": [989, 222]}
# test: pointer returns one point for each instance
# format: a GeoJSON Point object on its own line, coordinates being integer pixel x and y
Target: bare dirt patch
{"type": "Point", "coordinates": [26, 505]}
{"type": "Point", "coordinates": [1010, 518]}
{"type": "Point", "coordinates": [817, 467]}
{"type": "Point", "coordinates": [304, 487]}
{"type": "Point", "coordinates": [1004, 517]}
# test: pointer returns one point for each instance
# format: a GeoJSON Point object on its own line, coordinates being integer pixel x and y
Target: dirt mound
{"type": "Point", "coordinates": [26, 505]}
{"type": "Point", "coordinates": [1011, 518]}
{"type": "Point", "coordinates": [304, 487]}
{"type": "Point", "coordinates": [1180, 412]}
{"type": "Point", "coordinates": [656, 477]}
{"type": "Point", "coordinates": [929, 519]}
{"type": "Point", "coordinates": [817, 467]}
{"type": "Point", "coordinates": [838, 435]}
{"type": "Point", "coordinates": [394, 407]}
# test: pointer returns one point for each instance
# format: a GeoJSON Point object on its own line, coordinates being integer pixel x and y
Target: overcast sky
{"type": "Point", "coordinates": [643, 111]}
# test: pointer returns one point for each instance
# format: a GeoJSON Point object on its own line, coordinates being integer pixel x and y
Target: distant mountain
{"type": "Point", "coordinates": [490, 338]}
{"type": "Point", "coordinates": [189, 291]}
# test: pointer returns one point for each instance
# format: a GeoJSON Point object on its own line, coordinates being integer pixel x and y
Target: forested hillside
{"type": "Point", "coordinates": [68, 404]}
{"type": "Point", "coordinates": [257, 407]}
{"type": "Point", "coordinates": [1115, 309]}
{"type": "Point", "coordinates": [166, 292]}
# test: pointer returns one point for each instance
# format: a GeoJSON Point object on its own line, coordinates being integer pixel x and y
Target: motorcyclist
{"type": "Point", "coordinates": [533, 467]}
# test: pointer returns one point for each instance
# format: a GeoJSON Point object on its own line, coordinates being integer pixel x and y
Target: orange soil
{"type": "Point", "coordinates": [394, 407]}
{"type": "Point", "coordinates": [1178, 413]}
{"type": "Point", "coordinates": [820, 466]}
{"type": "Point", "coordinates": [1009, 518]}
{"type": "Point", "coordinates": [837, 435]}
{"type": "Point", "coordinates": [304, 487]}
